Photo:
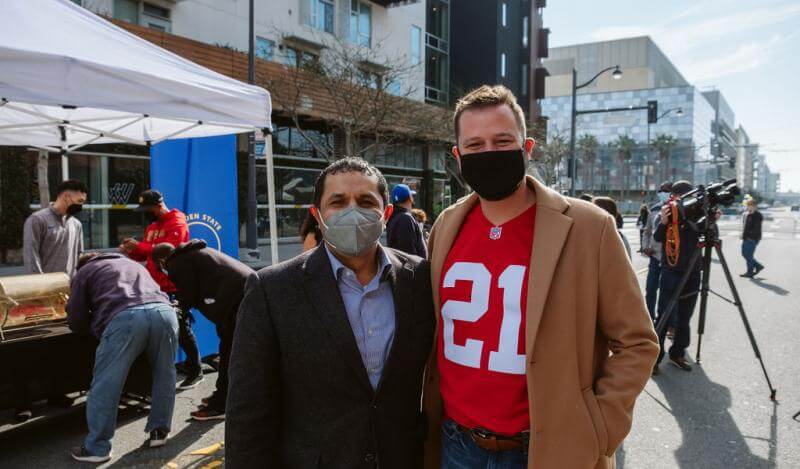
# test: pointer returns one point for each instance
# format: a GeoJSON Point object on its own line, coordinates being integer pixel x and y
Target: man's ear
{"type": "Point", "coordinates": [529, 145]}
{"type": "Point", "coordinates": [315, 213]}
{"type": "Point", "coordinates": [387, 212]}
{"type": "Point", "coordinates": [456, 153]}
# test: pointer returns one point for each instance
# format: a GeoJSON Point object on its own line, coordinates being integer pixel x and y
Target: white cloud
{"type": "Point", "coordinates": [745, 57]}
{"type": "Point", "coordinates": [677, 35]}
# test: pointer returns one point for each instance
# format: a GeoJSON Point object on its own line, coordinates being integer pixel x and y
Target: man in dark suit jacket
{"type": "Point", "coordinates": [330, 347]}
{"type": "Point", "coordinates": [213, 283]}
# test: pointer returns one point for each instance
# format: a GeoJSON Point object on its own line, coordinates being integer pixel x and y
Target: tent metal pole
{"type": "Point", "coordinates": [64, 159]}
{"type": "Point", "coordinates": [273, 216]}
{"type": "Point", "coordinates": [176, 133]}
{"type": "Point", "coordinates": [252, 215]}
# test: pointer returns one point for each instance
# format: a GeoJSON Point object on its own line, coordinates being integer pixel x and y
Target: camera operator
{"type": "Point", "coordinates": [672, 271]}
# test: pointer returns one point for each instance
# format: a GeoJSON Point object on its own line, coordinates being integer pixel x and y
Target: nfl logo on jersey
{"type": "Point", "coordinates": [495, 232]}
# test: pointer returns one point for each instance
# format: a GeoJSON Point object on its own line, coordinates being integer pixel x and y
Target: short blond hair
{"type": "Point", "coordinates": [487, 96]}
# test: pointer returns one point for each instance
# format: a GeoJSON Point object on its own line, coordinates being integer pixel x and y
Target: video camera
{"type": "Point", "coordinates": [695, 205]}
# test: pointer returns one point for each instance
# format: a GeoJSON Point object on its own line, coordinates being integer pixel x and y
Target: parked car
{"type": "Point", "coordinates": [796, 208]}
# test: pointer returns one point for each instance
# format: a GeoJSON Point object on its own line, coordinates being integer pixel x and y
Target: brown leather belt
{"type": "Point", "coordinates": [493, 442]}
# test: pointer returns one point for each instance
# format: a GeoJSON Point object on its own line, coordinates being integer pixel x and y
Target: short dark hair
{"type": "Point", "coordinates": [71, 185]}
{"type": "Point", "coordinates": [609, 205]}
{"type": "Point", "coordinates": [586, 196]}
{"type": "Point", "coordinates": [86, 257]}
{"type": "Point", "coordinates": [161, 251]}
{"type": "Point", "coordinates": [350, 164]}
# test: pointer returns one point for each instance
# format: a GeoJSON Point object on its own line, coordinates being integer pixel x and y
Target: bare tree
{"type": "Point", "coordinates": [362, 94]}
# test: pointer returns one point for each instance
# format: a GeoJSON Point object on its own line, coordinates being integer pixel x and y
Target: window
{"type": "Point", "coordinates": [156, 17]}
{"type": "Point", "coordinates": [367, 78]}
{"type": "Point", "coordinates": [321, 15]}
{"type": "Point", "coordinates": [524, 81]}
{"type": "Point", "coordinates": [264, 48]}
{"type": "Point", "coordinates": [77, 2]}
{"type": "Point", "coordinates": [504, 14]}
{"type": "Point", "coordinates": [288, 141]}
{"type": "Point", "coordinates": [395, 87]}
{"type": "Point", "coordinates": [295, 57]}
{"type": "Point", "coordinates": [127, 10]}
{"type": "Point", "coordinates": [503, 65]}
{"type": "Point", "coordinates": [360, 23]}
{"type": "Point", "coordinates": [416, 45]}
{"type": "Point", "coordinates": [525, 32]}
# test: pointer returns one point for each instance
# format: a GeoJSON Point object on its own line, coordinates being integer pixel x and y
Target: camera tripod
{"type": "Point", "coordinates": [709, 242]}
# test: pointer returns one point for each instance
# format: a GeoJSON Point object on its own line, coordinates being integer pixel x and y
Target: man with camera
{"type": "Point", "coordinates": [678, 246]}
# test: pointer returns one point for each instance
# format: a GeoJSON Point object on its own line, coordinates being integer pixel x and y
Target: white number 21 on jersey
{"type": "Point", "coordinates": [505, 359]}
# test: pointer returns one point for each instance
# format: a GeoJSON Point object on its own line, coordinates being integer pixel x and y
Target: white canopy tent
{"type": "Point", "coordinates": [69, 78]}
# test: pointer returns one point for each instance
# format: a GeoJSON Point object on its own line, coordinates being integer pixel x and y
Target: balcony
{"type": "Point", "coordinates": [393, 3]}
{"type": "Point", "coordinates": [437, 43]}
{"type": "Point", "coordinates": [435, 96]}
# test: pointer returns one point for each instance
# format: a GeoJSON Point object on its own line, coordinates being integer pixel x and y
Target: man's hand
{"type": "Point", "coordinates": [665, 210]}
{"type": "Point", "coordinates": [648, 251]}
{"type": "Point", "coordinates": [128, 245]}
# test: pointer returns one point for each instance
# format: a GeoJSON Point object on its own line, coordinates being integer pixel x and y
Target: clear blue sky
{"type": "Point", "coordinates": [748, 49]}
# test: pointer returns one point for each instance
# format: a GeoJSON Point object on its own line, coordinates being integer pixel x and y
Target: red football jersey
{"type": "Point", "coordinates": [481, 346]}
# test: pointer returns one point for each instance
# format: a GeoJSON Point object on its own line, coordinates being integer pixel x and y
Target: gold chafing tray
{"type": "Point", "coordinates": [27, 301]}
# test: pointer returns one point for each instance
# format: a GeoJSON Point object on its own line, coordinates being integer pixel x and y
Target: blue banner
{"type": "Point", "coordinates": [198, 177]}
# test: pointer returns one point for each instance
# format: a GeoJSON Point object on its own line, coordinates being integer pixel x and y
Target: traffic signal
{"type": "Point", "coordinates": [652, 112]}
{"type": "Point", "coordinates": [731, 162]}
{"type": "Point", "coordinates": [569, 168]}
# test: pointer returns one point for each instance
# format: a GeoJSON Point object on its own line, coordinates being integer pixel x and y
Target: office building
{"type": "Point", "coordinates": [633, 156]}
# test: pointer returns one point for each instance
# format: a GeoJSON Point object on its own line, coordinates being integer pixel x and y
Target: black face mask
{"type": "Point", "coordinates": [74, 209]}
{"type": "Point", "coordinates": [151, 217]}
{"type": "Point", "coordinates": [494, 175]}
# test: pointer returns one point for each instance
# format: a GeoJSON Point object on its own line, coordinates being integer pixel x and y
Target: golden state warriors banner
{"type": "Point", "coordinates": [198, 177]}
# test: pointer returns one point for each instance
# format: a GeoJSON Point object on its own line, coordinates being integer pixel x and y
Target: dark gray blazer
{"type": "Point", "coordinates": [299, 395]}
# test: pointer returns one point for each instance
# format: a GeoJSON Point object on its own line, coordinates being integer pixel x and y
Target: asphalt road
{"type": "Point", "coordinates": [719, 415]}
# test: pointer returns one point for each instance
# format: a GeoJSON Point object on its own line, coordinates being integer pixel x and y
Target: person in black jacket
{"type": "Point", "coordinates": [750, 238]}
{"type": "Point", "coordinates": [402, 230]}
{"type": "Point", "coordinates": [672, 271]}
{"type": "Point", "coordinates": [331, 346]}
{"type": "Point", "coordinates": [213, 283]}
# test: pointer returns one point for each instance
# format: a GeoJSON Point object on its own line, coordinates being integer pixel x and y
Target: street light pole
{"type": "Point", "coordinates": [679, 113]}
{"type": "Point", "coordinates": [574, 118]}
{"type": "Point", "coordinates": [252, 229]}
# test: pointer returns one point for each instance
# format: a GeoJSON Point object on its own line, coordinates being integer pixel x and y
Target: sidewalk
{"type": "Point", "coordinates": [47, 443]}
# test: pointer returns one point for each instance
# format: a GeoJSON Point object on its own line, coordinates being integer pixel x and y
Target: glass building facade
{"type": "Point", "coordinates": [689, 157]}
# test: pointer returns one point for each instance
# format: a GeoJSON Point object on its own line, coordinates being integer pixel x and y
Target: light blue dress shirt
{"type": "Point", "coordinates": [370, 311]}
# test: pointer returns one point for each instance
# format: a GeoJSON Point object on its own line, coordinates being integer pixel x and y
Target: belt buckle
{"type": "Point", "coordinates": [483, 433]}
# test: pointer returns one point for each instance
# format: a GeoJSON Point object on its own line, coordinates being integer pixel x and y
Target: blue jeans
{"type": "Point", "coordinates": [651, 287]}
{"type": "Point", "coordinates": [748, 250]}
{"type": "Point", "coordinates": [153, 329]}
{"type": "Point", "coordinates": [460, 452]}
